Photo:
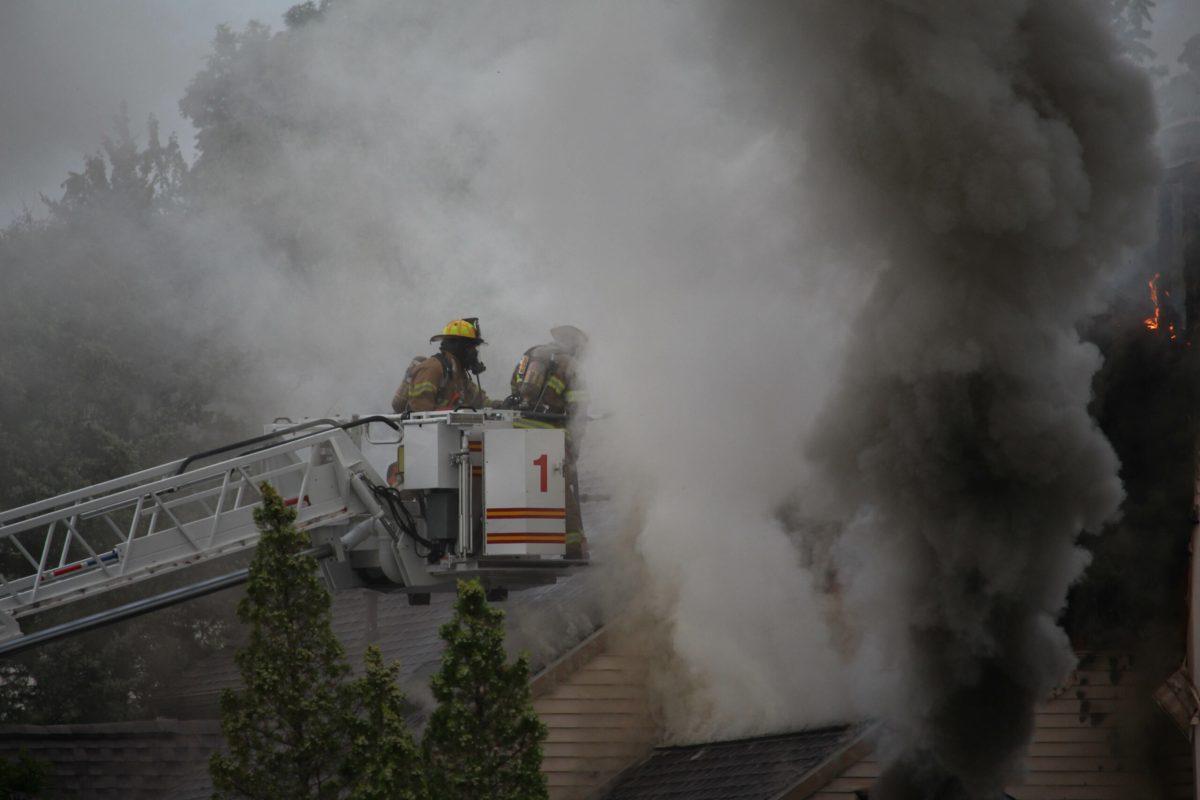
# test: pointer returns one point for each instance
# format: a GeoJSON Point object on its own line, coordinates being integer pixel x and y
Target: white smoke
{"type": "Point", "coordinates": [565, 162]}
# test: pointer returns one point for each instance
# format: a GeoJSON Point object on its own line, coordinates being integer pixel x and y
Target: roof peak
{"type": "Point", "coordinates": [837, 728]}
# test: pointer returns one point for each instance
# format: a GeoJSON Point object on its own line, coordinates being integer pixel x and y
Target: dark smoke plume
{"type": "Point", "coordinates": [711, 190]}
{"type": "Point", "coordinates": [990, 161]}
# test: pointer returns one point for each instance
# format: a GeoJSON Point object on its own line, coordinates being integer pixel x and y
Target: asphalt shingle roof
{"type": "Point", "coordinates": [123, 761]}
{"type": "Point", "coordinates": [745, 769]}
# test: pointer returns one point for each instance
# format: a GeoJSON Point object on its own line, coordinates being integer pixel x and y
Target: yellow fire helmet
{"type": "Point", "coordinates": [465, 329]}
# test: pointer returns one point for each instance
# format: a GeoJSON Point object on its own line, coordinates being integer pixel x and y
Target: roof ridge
{"type": "Point", "coordinates": [137, 727]}
{"type": "Point", "coordinates": [764, 737]}
{"type": "Point", "coordinates": [570, 662]}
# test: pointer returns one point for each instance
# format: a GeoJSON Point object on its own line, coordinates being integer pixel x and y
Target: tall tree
{"type": "Point", "coordinates": [123, 180]}
{"type": "Point", "coordinates": [303, 13]}
{"type": "Point", "coordinates": [484, 739]}
{"type": "Point", "coordinates": [1179, 99]}
{"type": "Point", "coordinates": [384, 763]}
{"type": "Point", "coordinates": [16, 692]}
{"type": "Point", "coordinates": [1131, 21]}
{"type": "Point", "coordinates": [286, 727]}
{"type": "Point", "coordinates": [104, 370]}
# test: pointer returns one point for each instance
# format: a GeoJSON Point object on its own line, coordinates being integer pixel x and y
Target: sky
{"type": "Point", "coordinates": [66, 66]}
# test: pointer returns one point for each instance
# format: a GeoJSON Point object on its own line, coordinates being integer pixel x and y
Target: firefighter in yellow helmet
{"type": "Point", "coordinates": [449, 378]}
{"type": "Point", "coordinates": [547, 380]}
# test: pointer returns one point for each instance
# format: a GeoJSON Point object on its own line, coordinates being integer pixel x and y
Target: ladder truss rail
{"type": "Point", "coordinates": [163, 485]}
{"type": "Point", "coordinates": [173, 468]}
{"type": "Point", "coordinates": [167, 524]}
{"type": "Point", "coordinates": [137, 608]}
{"type": "Point", "coordinates": [332, 423]}
{"type": "Point", "coordinates": [176, 516]}
{"type": "Point", "coordinates": [91, 584]}
{"type": "Point", "coordinates": [90, 492]}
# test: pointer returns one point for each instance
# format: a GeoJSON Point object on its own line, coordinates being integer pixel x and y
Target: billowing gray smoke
{"type": "Point", "coordinates": [724, 194]}
{"type": "Point", "coordinates": [992, 159]}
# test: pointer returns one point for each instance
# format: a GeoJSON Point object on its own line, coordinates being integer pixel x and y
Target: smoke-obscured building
{"type": "Point", "coordinates": [1177, 250]}
{"type": "Point", "coordinates": [593, 695]}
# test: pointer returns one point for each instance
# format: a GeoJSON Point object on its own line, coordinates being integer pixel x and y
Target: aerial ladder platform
{"type": "Point", "coordinates": [401, 503]}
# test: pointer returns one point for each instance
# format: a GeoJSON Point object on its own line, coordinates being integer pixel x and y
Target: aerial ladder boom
{"type": "Point", "coordinates": [398, 503]}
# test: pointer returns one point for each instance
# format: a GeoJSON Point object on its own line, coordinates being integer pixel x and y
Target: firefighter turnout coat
{"type": "Point", "coordinates": [437, 383]}
{"type": "Point", "coordinates": [547, 380]}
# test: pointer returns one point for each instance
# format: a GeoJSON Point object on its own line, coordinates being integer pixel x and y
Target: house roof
{"type": "Point", "coordinates": [545, 622]}
{"type": "Point", "coordinates": [1097, 737]}
{"type": "Point", "coordinates": [762, 768]}
{"type": "Point", "coordinates": [128, 760]}
{"type": "Point", "coordinates": [359, 617]}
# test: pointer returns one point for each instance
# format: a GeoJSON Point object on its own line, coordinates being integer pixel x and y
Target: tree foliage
{"type": "Point", "coordinates": [286, 727]}
{"type": "Point", "coordinates": [1179, 99]}
{"type": "Point", "coordinates": [299, 729]}
{"type": "Point", "coordinates": [116, 673]}
{"type": "Point", "coordinates": [306, 12]}
{"type": "Point", "coordinates": [17, 689]}
{"type": "Point", "coordinates": [232, 121]}
{"type": "Point", "coordinates": [384, 762]}
{"type": "Point", "coordinates": [484, 739]}
{"type": "Point", "coordinates": [22, 778]}
{"type": "Point", "coordinates": [1131, 21]}
{"type": "Point", "coordinates": [125, 179]}
{"type": "Point", "coordinates": [96, 376]}
{"type": "Point", "coordinates": [101, 375]}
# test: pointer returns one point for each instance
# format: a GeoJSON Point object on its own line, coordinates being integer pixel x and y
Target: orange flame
{"type": "Point", "coordinates": [1152, 323]}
